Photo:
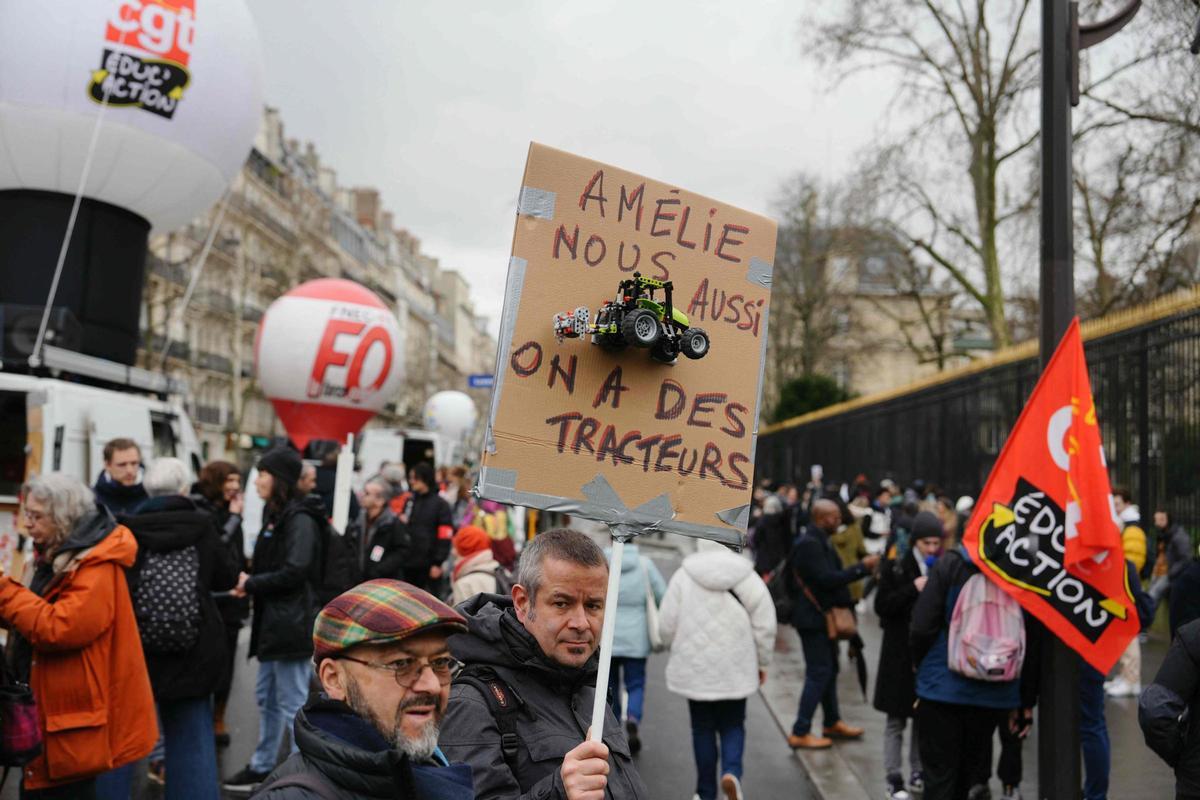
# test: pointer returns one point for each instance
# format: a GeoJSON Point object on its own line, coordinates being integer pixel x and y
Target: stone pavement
{"type": "Point", "coordinates": [853, 770]}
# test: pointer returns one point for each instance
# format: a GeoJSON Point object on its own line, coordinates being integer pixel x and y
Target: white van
{"type": "Point", "coordinates": [52, 425]}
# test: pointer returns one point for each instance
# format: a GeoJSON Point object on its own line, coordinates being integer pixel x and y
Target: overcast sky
{"type": "Point", "coordinates": [435, 104]}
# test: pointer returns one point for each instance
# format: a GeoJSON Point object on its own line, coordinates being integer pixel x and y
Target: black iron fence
{"type": "Point", "coordinates": [1145, 373]}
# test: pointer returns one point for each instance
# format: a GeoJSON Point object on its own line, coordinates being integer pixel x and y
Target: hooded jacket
{"type": "Point", "coordinates": [171, 523]}
{"type": "Point", "coordinates": [1167, 711]}
{"type": "Point", "coordinates": [77, 640]}
{"type": "Point", "coordinates": [631, 637]}
{"type": "Point", "coordinates": [117, 497]}
{"type": "Point", "coordinates": [1133, 538]}
{"type": "Point", "coordinates": [719, 620]}
{"type": "Point", "coordinates": [355, 761]}
{"type": "Point", "coordinates": [555, 712]}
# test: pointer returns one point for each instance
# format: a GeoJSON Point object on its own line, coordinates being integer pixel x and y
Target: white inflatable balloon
{"type": "Point", "coordinates": [452, 414]}
{"type": "Point", "coordinates": [184, 83]}
{"type": "Point", "coordinates": [329, 358]}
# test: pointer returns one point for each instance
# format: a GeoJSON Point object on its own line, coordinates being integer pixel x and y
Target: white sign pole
{"type": "Point", "coordinates": [606, 637]}
{"type": "Point", "coordinates": [341, 485]}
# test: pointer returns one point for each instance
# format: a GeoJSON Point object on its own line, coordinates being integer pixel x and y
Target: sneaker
{"type": "Point", "coordinates": [1122, 688]}
{"type": "Point", "coordinates": [916, 781]}
{"type": "Point", "coordinates": [245, 781]}
{"type": "Point", "coordinates": [979, 791]}
{"type": "Point", "coordinates": [157, 772]}
{"type": "Point", "coordinates": [731, 786]}
{"type": "Point", "coordinates": [1011, 793]}
{"type": "Point", "coordinates": [896, 790]}
{"type": "Point", "coordinates": [635, 742]}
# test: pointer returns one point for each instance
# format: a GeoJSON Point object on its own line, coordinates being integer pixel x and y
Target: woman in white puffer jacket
{"type": "Point", "coordinates": [719, 621]}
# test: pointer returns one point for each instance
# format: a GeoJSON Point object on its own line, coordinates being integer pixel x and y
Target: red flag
{"type": "Point", "coordinates": [1045, 529]}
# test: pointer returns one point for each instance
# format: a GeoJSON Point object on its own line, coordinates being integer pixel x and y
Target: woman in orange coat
{"type": "Point", "coordinates": [74, 638]}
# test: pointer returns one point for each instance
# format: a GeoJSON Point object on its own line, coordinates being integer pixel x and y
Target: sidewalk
{"type": "Point", "coordinates": [854, 770]}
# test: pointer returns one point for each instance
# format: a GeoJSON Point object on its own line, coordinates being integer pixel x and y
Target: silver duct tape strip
{"type": "Point", "coordinates": [762, 366]}
{"type": "Point", "coordinates": [500, 478]}
{"type": "Point", "coordinates": [738, 517]}
{"type": "Point", "coordinates": [760, 272]}
{"type": "Point", "coordinates": [658, 506]}
{"type": "Point", "coordinates": [508, 325]}
{"type": "Point", "coordinates": [536, 203]}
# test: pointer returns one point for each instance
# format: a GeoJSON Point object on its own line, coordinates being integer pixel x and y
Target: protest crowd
{"type": "Point", "coordinates": [446, 647]}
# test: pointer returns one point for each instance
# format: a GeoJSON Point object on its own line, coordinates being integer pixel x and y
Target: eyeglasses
{"type": "Point", "coordinates": [408, 671]}
{"type": "Point", "coordinates": [34, 516]}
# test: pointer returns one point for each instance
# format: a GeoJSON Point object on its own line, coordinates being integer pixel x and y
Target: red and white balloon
{"type": "Point", "coordinates": [329, 358]}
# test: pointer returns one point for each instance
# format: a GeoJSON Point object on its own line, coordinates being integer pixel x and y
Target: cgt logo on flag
{"type": "Point", "coordinates": [1044, 529]}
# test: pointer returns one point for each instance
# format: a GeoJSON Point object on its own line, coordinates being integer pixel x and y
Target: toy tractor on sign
{"type": "Point", "coordinates": [635, 318]}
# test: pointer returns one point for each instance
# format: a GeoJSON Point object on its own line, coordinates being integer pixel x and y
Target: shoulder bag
{"type": "Point", "coordinates": [839, 622]}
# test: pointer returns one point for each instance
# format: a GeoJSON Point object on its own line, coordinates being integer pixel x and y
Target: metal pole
{"type": "Point", "coordinates": [1058, 735]}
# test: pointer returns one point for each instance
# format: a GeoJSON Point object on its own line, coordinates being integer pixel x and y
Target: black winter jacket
{"type": "Point", "coordinates": [283, 584]}
{"type": "Point", "coordinates": [895, 596]}
{"type": "Point", "coordinates": [117, 497]}
{"type": "Point", "coordinates": [1164, 704]}
{"type": "Point", "coordinates": [355, 761]}
{"type": "Point", "coordinates": [817, 563]}
{"type": "Point", "coordinates": [382, 548]}
{"type": "Point", "coordinates": [233, 609]}
{"type": "Point", "coordinates": [1185, 596]}
{"type": "Point", "coordinates": [431, 528]}
{"type": "Point", "coordinates": [555, 710]}
{"type": "Point", "coordinates": [170, 523]}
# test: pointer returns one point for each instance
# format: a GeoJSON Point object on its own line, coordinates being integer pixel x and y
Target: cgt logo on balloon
{"type": "Point", "coordinates": [148, 66]}
{"type": "Point", "coordinates": [328, 359]}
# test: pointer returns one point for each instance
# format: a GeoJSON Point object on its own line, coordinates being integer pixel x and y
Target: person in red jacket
{"type": "Point", "coordinates": [75, 639]}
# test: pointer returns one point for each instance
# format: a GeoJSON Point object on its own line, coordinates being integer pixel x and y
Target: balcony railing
{"type": "Point", "coordinates": [210, 415]}
{"type": "Point", "coordinates": [166, 270]}
{"type": "Point", "coordinates": [214, 362]}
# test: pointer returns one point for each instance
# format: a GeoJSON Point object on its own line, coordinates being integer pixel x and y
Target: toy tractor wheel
{"type": "Point", "coordinates": [665, 351]}
{"type": "Point", "coordinates": [640, 328]}
{"type": "Point", "coordinates": [694, 343]}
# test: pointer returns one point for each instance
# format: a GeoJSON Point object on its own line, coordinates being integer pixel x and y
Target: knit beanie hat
{"type": "Point", "coordinates": [470, 540]}
{"type": "Point", "coordinates": [926, 525]}
{"type": "Point", "coordinates": [283, 463]}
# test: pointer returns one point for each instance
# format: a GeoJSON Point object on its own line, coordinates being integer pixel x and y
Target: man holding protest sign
{"type": "Point", "coordinates": [537, 651]}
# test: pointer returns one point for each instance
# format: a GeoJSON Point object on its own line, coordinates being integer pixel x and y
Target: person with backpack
{"type": "Point", "coordinates": [73, 640]}
{"type": "Point", "coordinates": [641, 582]}
{"type": "Point", "coordinates": [521, 707]}
{"type": "Point", "coordinates": [380, 539]}
{"type": "Point", "coordinates": [181, 562]}
{"type": "Point", "coordinates": [285, 573]}
{"type": "Point", "coordinates": [821, 583]}
{"type": "Point", "coordinates": [959, 704]}
{"type": "Point", "coordinates": [1169, 708]}
{"type": "Point", "coordinates": [475, 571]}
{"type": "Point", "coordinates": [372, 733]}
{"type": "Point", "coordinates": [430, 525]}
{"type": "Point", "coordinates": [901, 580]}
{"type": "Point", "coordinates": [719, 621]}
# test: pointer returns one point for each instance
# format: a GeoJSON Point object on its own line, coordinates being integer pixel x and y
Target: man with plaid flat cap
{"type": "Point", "coordinates": [385, 670]}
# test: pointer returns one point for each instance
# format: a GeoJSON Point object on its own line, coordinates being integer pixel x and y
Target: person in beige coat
{"type": "Point", "coordinates": [475, 571]}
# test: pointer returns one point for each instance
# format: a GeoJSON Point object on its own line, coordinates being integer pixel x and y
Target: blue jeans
{"type": "Point", "coordinates": [820, 681]}
{"type": "Point", "coordinates": [281, 689]}
{"type": "Point", "coordinates": [635, 686]}
{"type": "Point", "coordinates": [190, 749]}
{"type": "Point", "coordinates": [116, 784]}
{"type": "Point", "coordinates": [710, 718]}
{"type": "Point", "coordinates": [1093, 734]}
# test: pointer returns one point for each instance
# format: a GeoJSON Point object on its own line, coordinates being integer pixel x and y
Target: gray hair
{"type": "Point", "coordinates": [383, 483]}
{"type": "Point", "coordinates": [561, 543]}
{"type": "Point", "coordinates": [67, 501]}
{"type": "Point", "coordinates": [166, 476]}
{"type": "Point", "coordinates": [395, 476]}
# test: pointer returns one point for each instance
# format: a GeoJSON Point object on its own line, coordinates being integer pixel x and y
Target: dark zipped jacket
{"type": "Point", "coordinates": [556, 709]}
{"type": "Point", "coordinates": [283, 584]}
{"type": "Point", "coordinates": [163, 525]}
{"type": "Point", "coordinates": [817, 564]}
{"type": "Point", "coordinates": [1168, 709]}
{"type": "Point", "coordinates": [431, 529]}
{"type": "Point", "coordinates": [355, 761]}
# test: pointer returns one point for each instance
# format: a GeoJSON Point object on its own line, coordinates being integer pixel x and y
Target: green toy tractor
{"type": "Point", "coordinates": [635, 318]}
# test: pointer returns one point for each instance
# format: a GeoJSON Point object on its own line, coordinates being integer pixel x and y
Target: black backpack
{"type": "Point", "coordinates": [166, 600]}
{"type": "Point", "coordinates": [505, 580]}
{"type": "Point", "coordinates": [338, 560]}
{"type": "Point", "coordinates": [502, 701]}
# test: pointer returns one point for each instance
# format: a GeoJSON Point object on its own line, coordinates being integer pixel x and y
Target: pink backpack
{"type": "Point", "coordinates": [987, 633]}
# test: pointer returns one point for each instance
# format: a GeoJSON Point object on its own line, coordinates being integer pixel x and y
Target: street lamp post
{"type": "Point", "coordinates": [1063, 38]}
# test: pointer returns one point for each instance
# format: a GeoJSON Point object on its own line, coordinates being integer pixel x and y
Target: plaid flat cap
{"type": "Point", "coordinates": [377, 612]}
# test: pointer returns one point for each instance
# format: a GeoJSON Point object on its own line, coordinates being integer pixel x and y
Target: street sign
{"type": "Point", "coordinates": [480, 381]}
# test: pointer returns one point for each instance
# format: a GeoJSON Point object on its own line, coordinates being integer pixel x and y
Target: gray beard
{"type": "Point", "coordinates": [419, 748]}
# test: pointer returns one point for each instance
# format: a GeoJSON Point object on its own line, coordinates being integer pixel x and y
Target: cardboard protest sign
{"type": "Point", "coordinates": [1045, 530]}
{"type": "Point", "coordinates": [595, 425]}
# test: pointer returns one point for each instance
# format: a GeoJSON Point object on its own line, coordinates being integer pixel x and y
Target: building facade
{"type": "Point", "coordinates": [286, 220]}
